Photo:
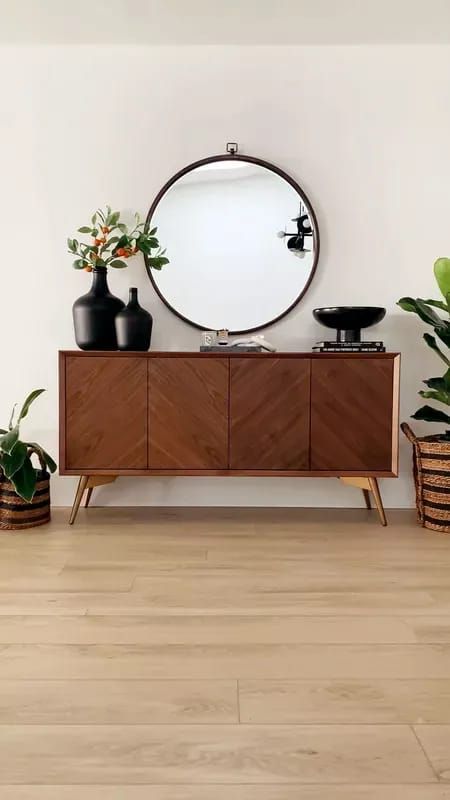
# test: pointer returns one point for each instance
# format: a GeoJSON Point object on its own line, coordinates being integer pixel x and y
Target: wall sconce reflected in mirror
{"type": "Point", "coordinates": [296, 241]}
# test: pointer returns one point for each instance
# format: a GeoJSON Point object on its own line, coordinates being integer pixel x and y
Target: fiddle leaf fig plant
{"type": "Point", "coordinates": [15, 455]}
{"type": "Point", "coordinates": [438, 389]}
{"type": "Point", "coordinates": [113, 242]}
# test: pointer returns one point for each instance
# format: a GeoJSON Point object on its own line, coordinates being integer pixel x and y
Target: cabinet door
{"type": "Point", "coordinates": [269, 413]}
{"type": "Point", "coordinates": [106, 412]}
{"type": "Point", "coordinates": [188, 413]}
{"type": "Point", "coordinates": [351, 414]}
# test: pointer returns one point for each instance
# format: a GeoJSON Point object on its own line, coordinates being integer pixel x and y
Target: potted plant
{"type": "Point", "coordinates": [112, 243]}
{"type": "Point", "coordinates": [24, 490]}
{"type": "Point", "coordinates": [431, 454]}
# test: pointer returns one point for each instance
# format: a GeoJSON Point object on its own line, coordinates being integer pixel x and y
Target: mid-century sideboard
{"type": "Point", "coordinates": [256, 414]}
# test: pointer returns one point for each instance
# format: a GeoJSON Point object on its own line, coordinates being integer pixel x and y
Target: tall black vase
{"type": "Point", "coordinates": [94, 314]}
{"type": "Point", "coordinates": [133, 325]}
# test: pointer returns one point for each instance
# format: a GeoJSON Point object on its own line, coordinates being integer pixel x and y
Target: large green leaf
{"type": "Point", "coordinates": [407, 304]}
{"type": "Point", "coordinates": [30, 399]}
{"type": "Point", "coordinates": [429, 315]}
{"type": "Point", "coordinates": [436, 383]}
{"type": "Point", "coordinates": [46, 458]}
{"type": "Point", "coordinates": [24, 481]}
{"type": "Point", "coordinates": [444, 335]}
{"type": "Point", "coordinates": [436, 394]}
{"type": "Point", "coordinates": [437, 304]}
{"type": "Point", "coordinates": [442, 275]}
{"type": "Point", "coordinates": [431, 342]}
{"type": "Point", "coordinates": [8, 440]}
{"type": "Point", "coordinates": [11, 463]}
{"type": "Point", "coordinates": [430, 414]}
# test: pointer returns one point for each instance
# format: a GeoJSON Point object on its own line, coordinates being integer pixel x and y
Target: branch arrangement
{"type": "Point", "coordinates": [113, 243]}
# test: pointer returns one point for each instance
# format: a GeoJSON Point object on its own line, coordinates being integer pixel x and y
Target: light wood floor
{"type": "Point", "coordinates": [225, 655]}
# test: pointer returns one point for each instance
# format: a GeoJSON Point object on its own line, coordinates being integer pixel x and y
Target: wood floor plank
{"type": "Point", "coordinates": [211, 754]}
{"type": "Point", "coordinates": [429, 629]}
{"type": "Point", "coordinates": [435, 740]}
{"type": "Point", "coordinates": [115, 629]}
{"type": "Point", "coordinates": [345, 701]}
{"type": "Point", "coordinates": [88, 581]}
{"type": "Point", "coordinates": [230, 792]}
{"type": "Point", "coordinates": [67, 702]}
{"type": "Point", "coordinates": [104, 603]}
{"type": "Point", "coordinates": [131, 662]}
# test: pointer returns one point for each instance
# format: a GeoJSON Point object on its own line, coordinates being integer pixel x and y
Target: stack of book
{"type": "Point", "coordinates": [350, 347]}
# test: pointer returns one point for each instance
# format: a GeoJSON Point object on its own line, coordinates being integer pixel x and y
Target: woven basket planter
{"type": "Point", "coordinates": [16, 513]}
{"type": "Point", "coordinates": [431, 466]}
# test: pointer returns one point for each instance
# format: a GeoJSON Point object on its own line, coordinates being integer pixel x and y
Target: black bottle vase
{"type": "Point", "coordinates": [134, 325]}
{"type": "Point", "coordinates": [94, 314]}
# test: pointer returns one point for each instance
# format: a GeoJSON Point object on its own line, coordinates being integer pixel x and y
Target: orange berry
{"type": "Point", "coordinates": [105, 229]}
{"type": "Point", "coordinates": [97, 242]}
{"type": "Point", "coordinates": [88, 269]}
{"type": "Point", "coordinates": [120, 251]}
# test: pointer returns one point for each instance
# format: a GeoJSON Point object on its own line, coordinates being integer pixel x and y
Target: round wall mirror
{"type": "Point", "coordinates": [242, 242]}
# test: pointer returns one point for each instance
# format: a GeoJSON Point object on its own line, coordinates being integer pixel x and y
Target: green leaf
{"type": "Point", "coordinates": [122, 227]}
{"type": "Point", "coordinates": [437, 304]}
{"type": "Point", "coordinates": [114, 218]}
{"type": "Point", "coordinates": [24, 480]}
{"type": "Point", "coordinates": [436, 383]}
{"type": "Point", "coordinates": [84, 229]}
{"type": "Point", "coordinates": [71, 245]}
{"type": "Point", "coordinates": [48, 460]}
{"type": "Point", "coordinates": [440, 395]}
{"type": "Point", "coordinates": [94, 219]}
{"type": "Point", "coordinates": [117, 264]}
{"type": "Point", "coordinates": [443, 334]}
{"type": "Point", "coordinates": [8, 440]}
{"type": "Point", "coordinates": [429, 315]}
{"type": "Point", "coordinates": [30, 399]}
{"type": "Point", "coordinates": [79, 263]}
{"type": "Point", "coordinates": [431, 342]}
{"type": "Point", "coordinates": [407, 304]}
{"type": "Point", "coordinates": [152, 232]}
{"type": "Point", "coordinates": [2, 430]}
{"type": "Point", "coordinates": [442, 275]}
{"type": "Point", "coordinates": [430, 414]}
{"type": "Point", "coordinates": [11, 463]}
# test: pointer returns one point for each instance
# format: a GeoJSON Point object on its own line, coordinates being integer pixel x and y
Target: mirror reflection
{"type": "Point", "coordinates": [242, 244]}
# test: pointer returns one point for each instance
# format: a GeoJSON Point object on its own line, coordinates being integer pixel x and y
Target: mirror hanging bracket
{"type": "Point", "coordinates": [232, 148]}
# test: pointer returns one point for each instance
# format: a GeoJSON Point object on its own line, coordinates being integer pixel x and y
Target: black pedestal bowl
{"type": "Point", "coordinates": [348, 320]}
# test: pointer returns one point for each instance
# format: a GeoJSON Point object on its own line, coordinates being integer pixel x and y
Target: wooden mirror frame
{"type": "Point", "coordinates": [231, 156]}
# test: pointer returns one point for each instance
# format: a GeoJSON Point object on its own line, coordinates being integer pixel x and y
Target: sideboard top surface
{"type": "Point", "coordinates": [218, 354]}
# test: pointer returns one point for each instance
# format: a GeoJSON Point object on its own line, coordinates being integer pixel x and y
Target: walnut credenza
{"type": "Point", "coordinates": [258, 414]}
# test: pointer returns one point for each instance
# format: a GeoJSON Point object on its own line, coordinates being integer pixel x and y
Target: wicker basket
{"type": "Point", "coordinates": [431, 465]}
{"type": "Point", "coordinates": [16, 513]}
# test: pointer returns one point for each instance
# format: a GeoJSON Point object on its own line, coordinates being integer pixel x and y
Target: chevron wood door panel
{"type": "Point", "coordinates": [269, 413]}
{"type": "Point", "coordinates": [106, 413]}
{"type": "Point", "coordinates": [351, 414]}
{"type": "Point", "coordinates": [188, 413]}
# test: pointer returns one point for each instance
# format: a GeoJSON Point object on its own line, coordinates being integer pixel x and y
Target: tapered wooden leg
{"type": "Point", "coordinates": [88, 482]}
{"type": "Point", "coordinates": [82, 485]}
{"type": "Point", "coordinates": [369, 486]}
{"type": "Point", "coordinates": [88, 496]}
{"type": "Point", "coordinates": [378, 501]}
{"type": "Point", "coordinates": [366, 494]}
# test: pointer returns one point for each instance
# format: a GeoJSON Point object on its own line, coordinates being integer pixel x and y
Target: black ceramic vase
{"type": "Point", "coordinates": [133, 325]}
{"type": "Point", "coordinates": [94, 314]}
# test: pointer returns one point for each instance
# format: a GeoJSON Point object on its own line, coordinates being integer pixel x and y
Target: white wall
{"type": "Point", "coordinates": [366, 132]}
